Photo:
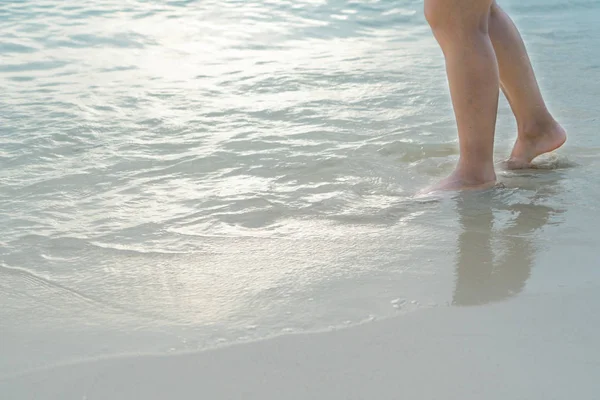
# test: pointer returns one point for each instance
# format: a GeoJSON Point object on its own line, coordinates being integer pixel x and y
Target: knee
{"type": "Point", "coordinates": [435, 13]}
{"type": "Point", "coordinates": [456, 17]}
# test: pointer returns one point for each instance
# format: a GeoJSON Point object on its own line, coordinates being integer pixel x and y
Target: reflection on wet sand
{"type": "Point", "coordinates": [495, 257]}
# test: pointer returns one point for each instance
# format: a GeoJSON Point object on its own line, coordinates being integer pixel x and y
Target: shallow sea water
{"type": "Point", "coordinates": [180, 175]}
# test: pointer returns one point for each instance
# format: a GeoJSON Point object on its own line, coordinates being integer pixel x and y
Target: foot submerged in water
{"type": "Point", "coordinates": [458, 181]}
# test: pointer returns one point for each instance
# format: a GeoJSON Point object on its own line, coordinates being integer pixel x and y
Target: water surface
{"type": "Point", "coordinates": [179, 175]}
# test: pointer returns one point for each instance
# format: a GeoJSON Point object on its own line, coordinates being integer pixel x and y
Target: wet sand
{"type": "Point", "coordinates": [533, 347]}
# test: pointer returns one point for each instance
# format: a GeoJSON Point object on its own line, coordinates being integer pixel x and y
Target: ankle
{"type": "Point", "coordinates": [475, 174]}
{"type": "Point", "coordinates": [537, 127]}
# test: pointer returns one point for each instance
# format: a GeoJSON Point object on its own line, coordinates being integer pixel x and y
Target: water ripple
{"type": "Point", "coordinates": [214, 164]}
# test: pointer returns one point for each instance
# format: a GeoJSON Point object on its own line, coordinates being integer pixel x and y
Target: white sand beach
{"type": "Point", "coordinates": [534, 347]}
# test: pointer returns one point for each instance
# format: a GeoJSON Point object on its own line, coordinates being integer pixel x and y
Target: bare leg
{"type": "Point", "coordinates": [461, 29]}
{"type": "Point", "coordinates": [538, 131]}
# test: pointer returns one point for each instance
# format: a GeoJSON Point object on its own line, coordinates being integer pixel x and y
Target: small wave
{"type": "Point", "coordinates": [554, 162]}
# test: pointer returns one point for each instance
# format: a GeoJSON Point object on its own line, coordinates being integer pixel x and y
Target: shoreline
{"type": "Point", "coordinates": [534, 346]}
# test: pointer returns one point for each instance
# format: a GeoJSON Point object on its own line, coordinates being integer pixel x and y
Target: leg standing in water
{"type": "Point", "coordinates": [483, 49]}
{"type": "Point", "coordinates": [461, 29]}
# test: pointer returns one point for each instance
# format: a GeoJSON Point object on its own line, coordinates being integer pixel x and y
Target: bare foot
{"type": "Point", "coordinates": [528, 147]}
{"type": "Point", "coordinates": [459, 180]}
